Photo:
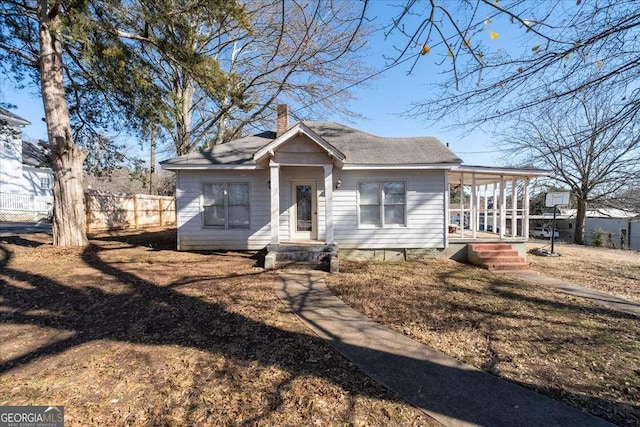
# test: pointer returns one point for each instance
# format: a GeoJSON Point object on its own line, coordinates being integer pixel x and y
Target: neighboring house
{"type": "Point", "coordinates": [622, 225]}
{"type": "Point", "coordinates": [324, 182]}
{"type": "Point", "coordinates": [26, 187]}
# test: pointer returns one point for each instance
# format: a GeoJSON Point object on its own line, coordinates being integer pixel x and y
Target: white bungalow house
{"type": "Point", "coordinates": [326, 183]}
{"type": "Point", "coordinates": [25, 185]}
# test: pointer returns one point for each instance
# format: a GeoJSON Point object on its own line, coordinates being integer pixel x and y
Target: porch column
{"type": "Point", "coordinates": [473, 206]}
{"type": "Point", "coordinates": [494, 203]}
{"type": "Point", "coordinates": [525, 210]}
{"type": "Point", "coordinates": [461, 204]}
{"type": "Point", "coordinates": [274, 174]}
{"type": "Point", "coordinates": [486, 207]}
{"type": "Point", "coordinates": [503, 206]}
{"type": "Point", "coordinates": [514, 208]}
{"type": "Point", "coordinates": [328, 203]}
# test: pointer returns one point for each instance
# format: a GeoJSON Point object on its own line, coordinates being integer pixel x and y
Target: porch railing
{"type": "Point", "coordinates": [24, 207]}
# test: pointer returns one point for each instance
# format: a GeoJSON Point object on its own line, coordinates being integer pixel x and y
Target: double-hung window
{"type": "Point", "coordinates": [226, 205]}
{"type": "Point", "coordinates": [382, 204]}
{"type": "Point", "coordinates": [46, 182]}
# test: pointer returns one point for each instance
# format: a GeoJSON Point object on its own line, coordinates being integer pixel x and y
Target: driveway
{"type": "Point", "coordinates": [14, 228]}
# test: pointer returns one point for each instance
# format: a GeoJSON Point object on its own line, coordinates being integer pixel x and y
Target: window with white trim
{"type": "Point", "coordinates": [225, 205]}
{"type": "Point", "coordinates": [46, 182]}
{"type": "Point", "coordinates": [382, 204]}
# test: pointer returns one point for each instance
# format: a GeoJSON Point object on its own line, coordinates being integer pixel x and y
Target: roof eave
{"type": "Point", "coordinates": [192, 166]}
{"type": "Point", "coordinates": [356, 166]}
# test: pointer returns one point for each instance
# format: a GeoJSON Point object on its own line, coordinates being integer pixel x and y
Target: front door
{"type": "Point", "coordinates": [304, 215]}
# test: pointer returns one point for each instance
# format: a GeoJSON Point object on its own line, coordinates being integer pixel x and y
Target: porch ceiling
{"type": "Point", "coordinates": [488, 175]}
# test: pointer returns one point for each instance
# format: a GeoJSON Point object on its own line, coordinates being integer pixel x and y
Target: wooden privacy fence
{"type": "Point", "coordinates": [117, 211]}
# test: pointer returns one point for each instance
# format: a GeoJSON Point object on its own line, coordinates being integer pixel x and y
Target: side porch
{"type": "Point", "coordinates": [487, 206]}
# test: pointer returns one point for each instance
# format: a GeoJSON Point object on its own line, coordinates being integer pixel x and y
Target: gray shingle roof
{"type": "Point", "coordinates": [32, 155]}
{"type": "Point", "coordinates": [12, 118]}
{"type": "Point", "coordinates": [364, 148]}
{"type": "Point", "coordinates": [358, 147]}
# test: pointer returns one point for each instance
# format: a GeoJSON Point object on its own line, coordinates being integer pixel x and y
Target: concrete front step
{"type": "Point", "coordinates": [309, 255]}
{"type": "Point", "coordinates": [490, 246]}
{"type": "Point", "coordinates": [496, 257]}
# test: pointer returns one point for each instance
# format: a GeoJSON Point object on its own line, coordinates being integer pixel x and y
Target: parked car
{"type": "Point", "coordinates": [543, 232]}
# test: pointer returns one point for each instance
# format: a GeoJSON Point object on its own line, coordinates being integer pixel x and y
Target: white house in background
{"type": "Point", "coordinates": [25, 185]}
{"type": "Point", "coordinates": [624, 226]}
{"type": "Point", "coordinates": [326, 183]}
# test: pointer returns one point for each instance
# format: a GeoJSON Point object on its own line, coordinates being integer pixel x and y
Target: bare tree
{"type": "Point", "coordinates": [596, 157]}
{"type": "Point", "coordinates": [562, 49]}
{"type": "Point", "coordinates": [288, 51]}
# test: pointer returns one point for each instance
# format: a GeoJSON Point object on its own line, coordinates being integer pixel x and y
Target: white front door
{"type": "Point", "coordinates": [304, 211]}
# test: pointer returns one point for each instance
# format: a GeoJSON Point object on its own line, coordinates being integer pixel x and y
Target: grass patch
{"type": "Point", "coordinates": [559, 345]}
{"type": "Point", "coordinates": [608, 270]}
{"type": "Point", "coordinates": [130, 332]}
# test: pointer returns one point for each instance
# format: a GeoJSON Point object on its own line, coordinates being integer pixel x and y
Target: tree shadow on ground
{"type": "Point", "coordinates": [21, 241]}
{"type": "Point", "coordinates": [147, 313]}
{"type": "Point", "coordinates": [578, 328]}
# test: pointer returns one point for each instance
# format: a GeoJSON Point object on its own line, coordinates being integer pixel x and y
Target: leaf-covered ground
{"type": "Point", "coordinates": [131, 332]}
{"type": "Point", "coordinates": [562, 346]}
{"type": "Point", "coordinates": [610, 270]}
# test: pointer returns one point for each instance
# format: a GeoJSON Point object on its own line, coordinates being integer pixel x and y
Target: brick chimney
{"type": "Point", "coordinates": [283, 119]}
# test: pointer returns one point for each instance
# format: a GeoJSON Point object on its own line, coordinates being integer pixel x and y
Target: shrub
{"type": "Point", "coordinates": [598, 237]}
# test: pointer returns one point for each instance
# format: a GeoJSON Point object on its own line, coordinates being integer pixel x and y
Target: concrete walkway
{"type": "Point", "coordinates": [602, 298]}
{"type": "Point", "coordinates": [452, 392]}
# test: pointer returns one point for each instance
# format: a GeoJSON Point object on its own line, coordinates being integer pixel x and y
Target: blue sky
{"type": "Point", "coordinates": [381, 101]}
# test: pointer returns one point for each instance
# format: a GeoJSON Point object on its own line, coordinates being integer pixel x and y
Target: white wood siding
{"type": "Point", "coordinates": [193, 236]}
{"type": "Point", "coordinates": [425, 211]}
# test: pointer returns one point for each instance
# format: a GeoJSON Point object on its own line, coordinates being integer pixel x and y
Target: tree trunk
{"type": "Point", "coordinates": [69, 220]}
{"type": "Point", "coordinates": [578, 236]}
{"type": "Point", "coordinates": [152, 160]}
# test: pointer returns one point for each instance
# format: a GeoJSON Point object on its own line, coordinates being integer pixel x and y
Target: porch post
{"type": "Point", "coordinates": [525, 210]}
{"type": "Point", "coordinates": [514, 207]}
{"type": "Point", "coordinates": [503, 206]}
{"type": "Point", "coordinates": [274, 174]}
{"type": "Point", "coordinates": [486, 207]}
{"type": "Point", "coordinates": [495, 207]}
{"type": "Point", "coordinates": [328, 203]}
{"type": "Point", "coordinates": [473, 206]}
{"type": "Point", "coordinates": [461, 205]}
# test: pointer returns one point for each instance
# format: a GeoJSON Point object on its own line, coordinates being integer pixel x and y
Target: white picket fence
{"type": "Point", "coordinates": [20, 207]}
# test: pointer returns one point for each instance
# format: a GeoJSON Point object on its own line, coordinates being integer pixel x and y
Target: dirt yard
{"type": "Point", "coordinates": [559, 345]}
{"type": "Point", "coordinates": [130, 332]}
{"type": "Point", "coordinates": [609, 270]}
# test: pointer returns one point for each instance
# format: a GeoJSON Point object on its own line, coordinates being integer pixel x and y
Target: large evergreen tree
{"type": "Point", "coordinates": [68, 47]}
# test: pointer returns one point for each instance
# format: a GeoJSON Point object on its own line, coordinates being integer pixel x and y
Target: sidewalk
{"type": "Point", "coordinates": [450, 391]}
{"type": "Point", "coordinates": [602, 298]}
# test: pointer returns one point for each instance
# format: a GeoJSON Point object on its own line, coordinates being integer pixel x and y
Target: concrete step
{"type": "Point", "coordinates": [490, 246]}
{"type": "Point", "coordinates": [503, 252]}
{"type": "Point", "coordinates": [315, 255]}
{"type": "Point", "coordinates": [496, 257]}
